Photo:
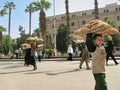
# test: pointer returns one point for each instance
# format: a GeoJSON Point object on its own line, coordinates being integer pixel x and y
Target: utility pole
{"type": "Point", "coordinates": [55, 50]}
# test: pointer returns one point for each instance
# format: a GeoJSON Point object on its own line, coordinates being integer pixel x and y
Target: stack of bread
{"type": "Point", "coordinates": [97, 27]}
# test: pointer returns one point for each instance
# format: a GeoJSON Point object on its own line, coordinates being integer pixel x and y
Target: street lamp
{"type": "Point", "coordinates": [54, 30]}
{"type": "Point", "coordinates": [96, 9]}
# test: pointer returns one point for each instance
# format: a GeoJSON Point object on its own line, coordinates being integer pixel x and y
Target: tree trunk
{"type": "Point", "coordinates": [9, 22]}
{"type": "Point", "coordinates": [67, 21]}
{"type": "Point", "coordinates": [30, 16]}
{"type": "Point", "coordinates": [42, 25]}
{"type": "Point", "coordinates": [0, 38]}
{"type": "Point", "coordinates": [96, 10]}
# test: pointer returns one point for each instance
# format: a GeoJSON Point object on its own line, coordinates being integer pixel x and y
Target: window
{"type": "Point", "coordinates": [73, 16]}
{"type": "Point", "coordinates": [52, 26]}
{"type": "Point", "coordinates": [116, 9]}
{"type": "Point", "coordinates": [83, 22]}
{"type": "Point", "coordinates": [106, 11]}
{"type": "Point", "coordinates": [93, 13]}
{"type": "Point", "coordinates": [53, 19]}
{"type": "Point", "coordinates": [118, 17]}
{"type": "Point", "coordinates": [84, 14]}
{"type": "Point", "coordinates": [72, 24]}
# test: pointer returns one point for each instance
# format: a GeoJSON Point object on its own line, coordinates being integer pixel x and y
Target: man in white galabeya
{"type": "Point", "coordinates": [70, 52]}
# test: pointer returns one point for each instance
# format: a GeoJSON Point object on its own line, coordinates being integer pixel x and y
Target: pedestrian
{"type": "Point", "coordinates": [20, 52]}
{"type": "Point", "coordinates": [70, 52]}
{"type": "Point", "coordinates": [27, 56]}
{"type": "Point", "coordinates": [95, 46]}
{"type": "Point", "coordinates": [110, 50]}
{"type": "Point", "coordinates": [85, 56]}
{"type": "Point", "coordinates": [16, 53]}
{"type": "Point", "coordinates": [33, 61]}
{"type": "Point", "coordinates": [40, 55]}
{"type": "Point", "coordinates": [43, 54]}
{"type": "Point", "coordinates": [49, 53]}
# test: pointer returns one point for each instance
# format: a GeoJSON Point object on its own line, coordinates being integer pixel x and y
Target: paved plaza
{"type": "Point", "coordinates": [53, 75]}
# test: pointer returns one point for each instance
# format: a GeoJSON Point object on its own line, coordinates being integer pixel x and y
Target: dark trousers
{"type": "Point", "coordinates": [39, 58]}
{"type": "Point", "coordinates": [70, 56]}
{"type": "Point", "coordinates": [100, 80]}
{"type": "Point", "coordinates": [110, 54]}
{"type": "Point", "coordinates": [16, 55]}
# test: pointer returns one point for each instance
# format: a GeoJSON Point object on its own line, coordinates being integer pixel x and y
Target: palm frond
{"type": "Point", "coordinates": [3, 12]}
{"type": "Point", "coordinates": [3, 29]}
{"type": "Point", "coordinates": [9, 5]}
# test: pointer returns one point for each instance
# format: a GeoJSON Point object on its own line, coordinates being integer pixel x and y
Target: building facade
{"type": "Point", "coordinates": [77, 19]}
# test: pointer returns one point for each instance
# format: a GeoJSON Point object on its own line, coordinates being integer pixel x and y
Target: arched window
{"type": "Point", "coordinates": [83, 22]}
{"type": "Point", "coordinates": [72, 24]}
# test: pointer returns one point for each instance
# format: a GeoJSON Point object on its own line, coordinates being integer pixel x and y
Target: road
{"type": "Point", "coordinates": [53, 75]}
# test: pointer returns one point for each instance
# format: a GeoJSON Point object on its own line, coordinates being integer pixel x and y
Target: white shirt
{"type": "Point", "coordinates": [70, 50]}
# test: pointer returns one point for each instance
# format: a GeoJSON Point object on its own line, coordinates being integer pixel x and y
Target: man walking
{"type": "Point", "coordinates": [70, 52]}
{"type": "Point", "coordinates": [109, 50]}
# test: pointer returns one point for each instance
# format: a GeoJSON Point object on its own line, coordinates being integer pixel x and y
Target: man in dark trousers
{"type": "Point", "coordinates": [109, 50]}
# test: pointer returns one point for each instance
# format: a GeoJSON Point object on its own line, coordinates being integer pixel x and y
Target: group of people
{"type": "Point", "coordinates": [100, 55]}
{"type": "Point", "coordinates": [32, 52]}
{"type": "Point", "coordinates": [93, 46]}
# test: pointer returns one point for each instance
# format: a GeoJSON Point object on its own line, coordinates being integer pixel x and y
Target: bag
{"type": "Point", "coordinates": [89, 42]}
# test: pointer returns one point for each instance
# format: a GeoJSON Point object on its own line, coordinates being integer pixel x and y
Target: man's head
{"type": "Point", "coordinates": [98, 40]}
{"type": "Point", "coordinates": [109, 38]}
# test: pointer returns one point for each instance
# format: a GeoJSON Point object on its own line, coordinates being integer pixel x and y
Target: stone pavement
{"type": "Point", "coordinates": [53, 75]}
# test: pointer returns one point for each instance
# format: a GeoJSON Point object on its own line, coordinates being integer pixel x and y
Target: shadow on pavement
{"type": "Point", "coordinates": [5, 73]}
{"type": "Point", "coordinates": [57, 73]}
{"type": "Point", "coordinates": [15, 66]}
{"type": "Point", "coordinates": [38, 72]}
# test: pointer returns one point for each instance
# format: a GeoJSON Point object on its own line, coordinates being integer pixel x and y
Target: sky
{"type": "Point", "coordinates": [20, 17]}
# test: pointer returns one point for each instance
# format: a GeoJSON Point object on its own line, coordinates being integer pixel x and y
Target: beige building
{"type": "Point", "coordinates": [77, 19]}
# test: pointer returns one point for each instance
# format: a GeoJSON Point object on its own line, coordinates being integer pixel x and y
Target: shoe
{"type": "Point", "coordinates": [80, 67]}
{"type": "Point", "coordinates": [88, 69]}
{"type": "Point", "coordinates": [35, 68]}
{"type": "Point", "coordinates": [117, 63]}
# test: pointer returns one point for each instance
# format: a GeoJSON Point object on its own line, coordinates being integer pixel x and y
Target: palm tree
{"type": "Point", "coordinates": [30, 9]}
{"type": "Point", "coordinates": [96, 10]}
{"type": "Point", "coordinates": [67, 21]}
{"type": "Point", "coordinates": [41, 6]}
{"type": "Point", "coordinates": [2, 12]}
{"type": "Point", "coordinates": [37, 32]}
{"type": "Point", "coordinates": [2, 29]}
{"type": "Point", "coordinates": [9, 6]}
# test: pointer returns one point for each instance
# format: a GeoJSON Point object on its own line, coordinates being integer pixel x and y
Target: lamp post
{"type": "Point", "coordinates": [96, 9]}
{"type": "Point", "coordinates": [54, 30]}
